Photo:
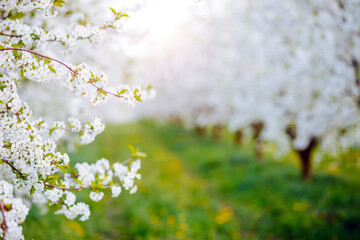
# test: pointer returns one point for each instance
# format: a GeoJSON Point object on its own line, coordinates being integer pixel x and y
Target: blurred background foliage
{"type": "Point", "coordinates": [195, 187]}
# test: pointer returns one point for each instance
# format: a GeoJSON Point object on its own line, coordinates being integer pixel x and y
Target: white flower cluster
{"type": "Point", "coordinates": [128, 176]}
{"type": "Point", "coordinates": [25, 6]}
{"type": "Point", "coordinates": [23, 144]}
{"type": "Point", "coordinates": [71, 211]}
{"type": "Point", "coordinates": [14, 31]}
{"type": "Point", "coordinates": [93, 176]}
{"type": "Point", "coordinates": [31, 36]}
{"type": "Point", "coordinates": [81, 79]}
{"type": "Point", "coordinates": [87, 134]}
{"type": "Point", "coordinates": [69, 207]}
{"type": "Point", "coordinates": [30, 162]}
{"type": "Point", "coordinates": [14, 211]}
{"type": "Point", "coordinates": [91, 130]}
{"type": "Point", "coordinates": [102, 173]}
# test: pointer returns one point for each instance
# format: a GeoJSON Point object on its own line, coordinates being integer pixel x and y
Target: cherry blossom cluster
{"type": "Point", "coordinates": [27, 6]}
{"type": "Point", "coordinates": [13, 212]}
{"type": "Point", "coordinates": [15, 31]}
{"type": "Point", "coordinates": [31, 166]}
{"type": "Point", "coordinates": [30, 160]}
{"type": "Point", "coordinates": [81, 79]}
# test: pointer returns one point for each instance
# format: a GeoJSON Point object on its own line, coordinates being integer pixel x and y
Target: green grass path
{"type": "Point", "coordinates": [195, 188]}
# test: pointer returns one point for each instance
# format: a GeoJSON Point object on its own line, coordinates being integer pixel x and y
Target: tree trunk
{"type": "Point", "coordinates": [217, 132]}
{"type": "Point", "coordinates": [258, 149]}
{"type": "Point", "coordinates": [200, 131]}
{"type": "Point", "coordinates": [238, 138]}
{"type": "Point", "coordinates": [177, 121]}
{"type": "Point", "coordinates": [305, 156]}
{"type": "Point", "coordinates": [257, 128]}
{"type": "Point", "coordinates": [305, 167]}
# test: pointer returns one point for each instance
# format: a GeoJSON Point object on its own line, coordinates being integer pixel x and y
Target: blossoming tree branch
{"type": "Point", "coordinates": [31, 166]}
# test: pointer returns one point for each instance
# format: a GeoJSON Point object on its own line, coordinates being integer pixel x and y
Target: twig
{"type": "Point", "coordinates": [68, 67]}
{"type": "Point", "coordinates": [74, 188]}
{"type": "Point", "coordinates": [3, 225]}
{"type": "Point", "coordinates": [13, 167]}
{"type": "Point", "coordinates": [40, 55]}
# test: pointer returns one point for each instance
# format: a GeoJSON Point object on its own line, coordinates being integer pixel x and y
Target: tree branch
{"type": "Point", "coordinates": [68, 67]}
{"type": "Point", "coordinates": [13, 167]}
{"type": "Point", "coordinates": [3, 225]}
{"type": "Point", "coordinates": [10, 35]}
{"type": "Point", "coordinates": [40, 55]}
{"type": "Point", "coordinates": [74, 188]}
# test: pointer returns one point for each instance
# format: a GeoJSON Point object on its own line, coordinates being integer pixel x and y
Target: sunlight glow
{"type": "Point", "coordinates": [160, 18]}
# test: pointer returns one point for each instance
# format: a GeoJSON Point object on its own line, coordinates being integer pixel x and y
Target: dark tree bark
{"type": "Point", "coordinates": [257, 128]}
{"type": "Point", "coordinates": [259, 149]}
{"type": "Point", "coordinates": [305, 155]}
{"type": "Point", "coordinates": [177, 121]}
{"type": "Point", "coordinates": [217, 132]}
{"type": "Point", "coordinates": [238, 138]}
{"type": "Point", "coordinates": [200, 131]}
{"type": "Point", "coordinates": [356, 66]}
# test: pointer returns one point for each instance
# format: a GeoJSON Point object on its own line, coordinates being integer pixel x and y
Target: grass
{"type": "Point", "coordinates": [196, 188]}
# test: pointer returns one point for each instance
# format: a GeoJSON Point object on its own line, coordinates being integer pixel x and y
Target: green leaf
{"type": "Point", "coordinates": [141, 154]}
{"type": "Point", "coordinates": [137, 97]}
{"type": "Point", "coordinates": [15, 16]}
{"type": "Point", "coordinates": [40, 123]}
{"type": "Point", "coordinates": [113, 10]}
{"type": "Point", "coordinates": [51, 179]}
{"type": "Point", "coordinates": [49, 154]}
{"type": "Point", "coordinates": [52, 69]}
{"type": "Point", "coordinates": [15, 53]}
{"type": "Point", "coordinates": [62, 169]}
{"type": "Point", "coordinates": [32, 190]}
{"type": "Point", "coordinates": [102, 92]}
{"type": "Point", "coordinates": [46, 61]}
{"type": "Point", "coordinates": [132, 149]}
{"type": "Point", "coordinates": [51, 131]}
{"type": "Point", "coordinates": [59, 3]}
{"type": "Point", "coordinates": [78, 181]}
{"type": "Point", "coordinates": [122, 91]}
{"type": "Point", "coordinates": [22, 73]}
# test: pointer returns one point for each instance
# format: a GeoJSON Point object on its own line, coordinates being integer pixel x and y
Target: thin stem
{"type": "Point", "coordinates": [17, 115]}
{"type": "Point", "coordinates": [3, 225]}
{"type": "Point", "coordinates": [100, 89]}
{"type": "Point", "coordinates": [40, 55]}
{"type": "Point", "coordinates": [4, 17]}
{"type": "Point", "coordinates": [68, 67]}
{"type": "Point", "coordinates": [74, 188]}
{"type": "Point", "coordinates": [65, 129]}
{"type": "Point", "coordinates": [10, 35]}
{"type": "Point", "coordinates": [127, 161]}
{"type": "Point", "coordinates": [13, 167]}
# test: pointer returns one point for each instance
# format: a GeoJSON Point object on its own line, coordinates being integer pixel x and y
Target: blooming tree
{"type": "Point", "coordinates": [31, 166]}
{"type": "Point", "coordinates": [291, 79]}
